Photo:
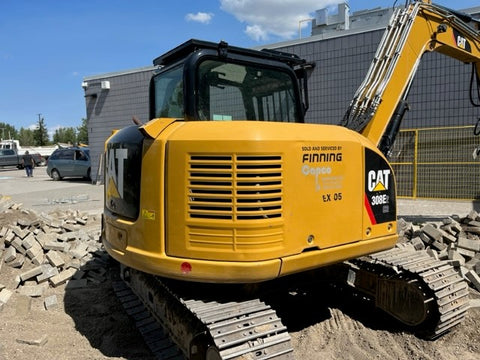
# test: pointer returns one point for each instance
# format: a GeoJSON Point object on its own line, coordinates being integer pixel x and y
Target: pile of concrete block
{"type": "Point", "coordinates": [454, 239]}
{"type": "Point", "coordinates": [48, 250]}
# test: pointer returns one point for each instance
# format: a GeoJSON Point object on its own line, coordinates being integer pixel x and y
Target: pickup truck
{"type": "Point", "coordinates": [10, 157]}
{"type": "Point", "coordinates": [43, 151]}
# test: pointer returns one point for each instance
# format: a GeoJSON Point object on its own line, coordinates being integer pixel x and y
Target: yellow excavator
{"type": "Point", "coordinates": [226, 194]}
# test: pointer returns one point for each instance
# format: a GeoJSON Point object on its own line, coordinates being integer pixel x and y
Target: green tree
{"type": "Point", "coordinates": [25, 137]}
{"type": "Point", "coordinates": [65, 135]}
{"type": "Point", "coordinates": [8, 131]}
{"type": "Point", "coordinates": [40, 134]}
{"type": "Point", "coordinates": [82, 132]}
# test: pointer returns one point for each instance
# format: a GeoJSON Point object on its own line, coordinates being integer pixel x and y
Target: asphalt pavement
{"type": "Point", "coordinates": [41, 193]}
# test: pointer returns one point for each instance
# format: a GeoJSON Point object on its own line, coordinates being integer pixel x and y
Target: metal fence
{"type": "Point", "coordinates": [437, 163]}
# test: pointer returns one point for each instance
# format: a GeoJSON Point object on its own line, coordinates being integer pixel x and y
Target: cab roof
{"type": "Point", "coordinates": [223, 48]}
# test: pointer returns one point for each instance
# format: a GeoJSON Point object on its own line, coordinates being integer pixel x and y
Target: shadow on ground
{"type": "Point", "coordinates": [99, 316]}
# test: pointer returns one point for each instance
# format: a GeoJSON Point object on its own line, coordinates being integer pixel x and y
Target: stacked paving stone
{"type": "Point", "coordinates": [455, 240]}
{"type": "Point", "coordinates": [48, 250]}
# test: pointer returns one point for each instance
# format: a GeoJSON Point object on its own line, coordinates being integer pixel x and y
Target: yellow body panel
{"type": "Point", "coordinates": [247, 202]}
{"type": "Point", "coordinates": [301, 192]}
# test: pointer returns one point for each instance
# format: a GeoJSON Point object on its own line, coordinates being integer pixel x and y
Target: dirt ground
{"type": "Point", "coordinates": [90, 323]}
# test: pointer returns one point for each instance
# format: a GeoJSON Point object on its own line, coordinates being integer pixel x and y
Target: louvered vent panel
{"type": "Point", "coordinates": [235, 187]}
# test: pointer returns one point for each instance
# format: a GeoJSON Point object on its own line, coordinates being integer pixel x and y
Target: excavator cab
{"type": "Point", "coordinates": [205, 81]}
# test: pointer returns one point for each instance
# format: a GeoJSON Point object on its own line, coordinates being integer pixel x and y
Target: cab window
{"type": "Point", "coordinates": [231, 91]}
{"type": "Point", "coordinates": [169, 93]}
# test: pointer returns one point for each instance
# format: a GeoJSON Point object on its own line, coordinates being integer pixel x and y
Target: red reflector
{"type": "Point", "coordinates": [185, 267]}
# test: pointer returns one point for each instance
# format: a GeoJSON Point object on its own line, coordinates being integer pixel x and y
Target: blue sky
{"type": "Point", "coordinates": [48, 46]}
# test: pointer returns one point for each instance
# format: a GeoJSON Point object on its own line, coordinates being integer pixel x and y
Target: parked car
{"type": "Point", "coordinates": [10, 157]}
{"type": "Point", "coordinates": [69, 162]}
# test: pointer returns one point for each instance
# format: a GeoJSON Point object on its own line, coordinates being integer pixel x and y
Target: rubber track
{"type": "Point", "coordinates": [248, 329]}
{"type": "Point", "coordinates": [450, 291]}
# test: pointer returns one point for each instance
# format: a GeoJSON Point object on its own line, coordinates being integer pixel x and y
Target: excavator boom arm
{"type": "Point", "coordinates": [412, 31]}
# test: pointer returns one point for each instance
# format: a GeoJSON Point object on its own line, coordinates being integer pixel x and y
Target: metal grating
{"type": "Point", "coordinates": [235, 187]}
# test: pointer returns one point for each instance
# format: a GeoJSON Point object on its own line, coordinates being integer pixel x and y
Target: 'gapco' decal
{"type": "Point", "coordinates": [380, 201]}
